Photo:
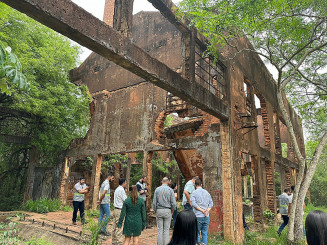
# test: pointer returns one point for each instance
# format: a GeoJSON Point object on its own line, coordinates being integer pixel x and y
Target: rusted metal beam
{"type": "Point", "coordinates": [77, 24]}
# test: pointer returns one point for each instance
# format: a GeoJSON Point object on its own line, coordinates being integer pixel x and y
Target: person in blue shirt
{"type": "Point", "coordinates": [202, 204]}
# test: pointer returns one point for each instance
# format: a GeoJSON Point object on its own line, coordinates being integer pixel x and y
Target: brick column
{"type": "Point", "coordinates": [119, 15]}
{"type": "Point", "coordinates": [288, 177]}
{"type": "Point", "coordinates": [95, 181]}
{"type": "Point", "coordinates": [257, 204]}
{"type": "Point", "coordinates": [148, 162]}
{"type": "Point", "coordinates": [232, 205]}
{"type": "Point", "coordinates": [271, 192]}
{"type": "Point", "coordinates": [63, 182]}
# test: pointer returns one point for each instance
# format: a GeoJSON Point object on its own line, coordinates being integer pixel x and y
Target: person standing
{"type": "Point", "coordinates": [188, 189]}
{"type": "Point", "coordinates": [164, 204]}
{"type": "Point", "coordinates": [133, 216]}
{"type": "Point", "coordinates": [104, 201]}
{"type": "Point", "coordinates": [80, 189]}
{"type": "Point", "coordinates": [119, 198]}
{"type": "Point", "coordinates": [202, 204]}
{"type": "Point", "coordinates": [284, 204]}
{"type": "Point", "coordinates": [174, 187]}
{"type": "Point", "coordinates": [141, 188]}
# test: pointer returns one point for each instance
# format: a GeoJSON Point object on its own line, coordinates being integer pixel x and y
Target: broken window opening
{"type": "Point", "coordinates": [209, 73]}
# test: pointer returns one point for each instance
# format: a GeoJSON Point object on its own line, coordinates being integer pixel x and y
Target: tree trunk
{"type": "Point", "coordinates": [298, 235]}
{"type": "Point", "coordinates": [290, 234]}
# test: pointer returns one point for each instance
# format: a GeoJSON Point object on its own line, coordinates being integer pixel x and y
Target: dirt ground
{"type": "Point", "coordinates": [57, 228]}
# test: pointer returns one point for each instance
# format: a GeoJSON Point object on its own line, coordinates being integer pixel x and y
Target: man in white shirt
{"type": "Point", "coordinates": [119, 198]}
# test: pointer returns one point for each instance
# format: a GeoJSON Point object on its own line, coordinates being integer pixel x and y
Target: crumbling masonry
{"type": "Point", "coordinates": [157, 67]}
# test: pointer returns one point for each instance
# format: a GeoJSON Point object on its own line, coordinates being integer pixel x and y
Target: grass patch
{"type": "Point", "coordinates": [67, 208]}
{"type": "Point", "coordinates": [38, 241]}
{"type": "Point", "coordinates": [43, 205]}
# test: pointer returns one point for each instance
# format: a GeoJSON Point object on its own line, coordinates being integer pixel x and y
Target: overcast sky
{"type": "Point", "coordinates": [96, 8]}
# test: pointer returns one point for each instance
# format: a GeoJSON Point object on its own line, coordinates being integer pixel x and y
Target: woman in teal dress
{"type": "Point", "coordinates": [133, 212]}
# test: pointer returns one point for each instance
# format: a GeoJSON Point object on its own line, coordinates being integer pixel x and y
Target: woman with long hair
{"type": "Point", "coordinates": [133, 212]}
{"type": "Point", "coordinates": [185, 229]}
{"type": "Point", "coordinates": [316, 228]}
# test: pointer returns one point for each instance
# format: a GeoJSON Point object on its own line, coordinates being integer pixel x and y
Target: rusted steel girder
{"type": "Point", "coordinates": [77, 24]}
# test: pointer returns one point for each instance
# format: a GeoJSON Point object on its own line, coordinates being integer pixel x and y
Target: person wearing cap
{"type": "Point", "coordinates": [80, 189]}
{"type": "Point", "coordinates": [104, 201]}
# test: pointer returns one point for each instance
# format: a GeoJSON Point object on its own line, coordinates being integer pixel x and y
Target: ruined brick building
{"type": "Point", "coordinates": [234, 128]}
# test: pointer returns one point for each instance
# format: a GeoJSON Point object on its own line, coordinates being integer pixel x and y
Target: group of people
{"type": "Point", "coordinates": [129, 214]}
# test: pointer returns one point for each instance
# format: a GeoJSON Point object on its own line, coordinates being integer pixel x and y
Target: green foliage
{"type": "Point", "coordinates": [311, 207]}
{"type": "Point", "coordinates": [43, 205]}
{"type": "Point", "coordinates": [169, 121]}
{"type": "Point", "coordinates": [268, 214]}
{"type": "Point", "coordinates": [284, 150]}
{"type": "Point", "coordinates": [61, 109]}
{"type": "Point", "coordinates": [67, 208]}
{"type": "Point", "coordinates": [11, 202]}
{"type": "Point", "coordinates": [38, 241]}
{"type": "Point", "coordinates": [94, 212]}
{"type": "Point", "coordinates": [290, 35]}
{"type": "Point", "coordinates": [8, 233]}
{"type": "Point", "coordinates": [10, 71]}
{"type": "Point", "coordinates": [318, 190]}
{"type": "Point", "coordinates": [93, 227]}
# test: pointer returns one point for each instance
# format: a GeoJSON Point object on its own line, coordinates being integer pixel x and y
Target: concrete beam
{"type": "Point", "coordinates": [77, 24]}
{"type": "Point", "coordinates": [185, 143]}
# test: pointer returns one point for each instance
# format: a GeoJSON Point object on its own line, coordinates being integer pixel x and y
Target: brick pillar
{"type": "Point", "coordinates": [232, 209]}
{"type": "Point", "coordinates": [119, 15]}
{"type": "Point", "coordinates": [95, 181]}
{"type": "Point", "coordinates": [148, 162]}
{"type": "Point", "coordinates": [257, 204]}
{"type": "Point", "coordinates": [63, 182]}
{"type": "Point", "coordinates": [288, 177]}
{"type": "Point", "coordinates": [271, 192]}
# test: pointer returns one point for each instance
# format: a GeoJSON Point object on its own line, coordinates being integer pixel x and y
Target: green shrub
{"type": "Point", "coordinates": [9, 203]}
{"type": "Point", "coordinates": [8, 233]}
{"type": "Point", "coordinates": [43, 205]}
{"type": "Point", "coordinates": [38, 241]}
{"type": "Point", "coordinates": [67, 208]}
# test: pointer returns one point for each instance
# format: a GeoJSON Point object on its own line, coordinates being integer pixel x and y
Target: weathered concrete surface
{"type": "Point", "coordinates": [92, 33]}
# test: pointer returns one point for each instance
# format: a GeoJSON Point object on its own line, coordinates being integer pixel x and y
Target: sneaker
{"type": "Point", "coordinates": [74, 223]}
{"type": "Point", "coordinates": [279, 233]}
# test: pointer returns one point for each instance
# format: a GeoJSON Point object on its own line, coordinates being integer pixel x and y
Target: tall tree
{"type": "Point", "coordinates": [52, 112]}
{"type": "Point", "coordinates": [291, 36]}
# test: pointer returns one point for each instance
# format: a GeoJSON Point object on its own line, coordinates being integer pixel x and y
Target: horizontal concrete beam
{"type": "Point", "coordinates": [185, 143]}
{"type": "Point", "coordinates": [285, 162]}
{"type": "Point", "coordinates": [77, 24]}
